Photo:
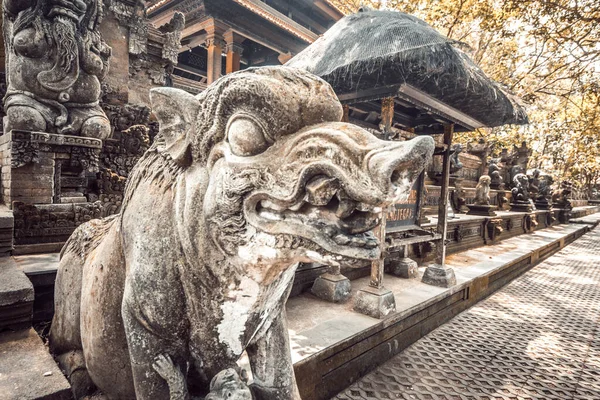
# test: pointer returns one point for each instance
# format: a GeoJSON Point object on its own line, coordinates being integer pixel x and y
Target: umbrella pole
{"type": "Point", "coordinates": [375, 300]}
{"type": "Point", "coordinates": [437, 274]}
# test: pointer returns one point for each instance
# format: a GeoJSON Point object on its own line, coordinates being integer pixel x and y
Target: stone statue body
{"type": "Point", "coordinates": [495, 174]}
{"type": "Point", "coordinates": [560, 197]}
{"type": "Point", "coordinates": [55, 61]}
{"type": "Point", "coordinates": [534, 182]}
{"type": "Point", "coordinates": [217, 214]}
{"type": "Point", "coordinates": [520, 193]}
{"type": "Point", "coordinates": [482, 191]}
{"type": "Point", "coordinates": [455, 163]}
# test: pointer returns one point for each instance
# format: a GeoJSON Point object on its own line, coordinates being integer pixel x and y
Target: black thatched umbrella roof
{"type": "Point", "coordinates": [378, 49]}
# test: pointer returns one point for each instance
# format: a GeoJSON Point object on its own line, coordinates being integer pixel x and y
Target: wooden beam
{"type": "Point", "coordinates": [442, 223]}
{"type": "Point", "coordinates": [194, 41]}
{"type": "Point", "coordinates": [275, 17]}
{"type": "Point", "coordinates": [434, 106]}
{"type": "Point", "coordinates": [362, 96]}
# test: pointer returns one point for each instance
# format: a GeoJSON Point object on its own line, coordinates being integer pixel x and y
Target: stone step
{"type": "Point", "coordinates": [16, 296]}
{"type": "Point", "coordinates": [27, 370]}
{"type": "Point", "coordinates": [41, 270]}
{"type": "Point", "coordinates": [6, 230]}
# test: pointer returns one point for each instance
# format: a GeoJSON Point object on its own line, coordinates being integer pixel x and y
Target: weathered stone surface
{"type": "Point", "coordinates": [200, 260]}
{"type": "Point", "coordinates": [376, 303]}
{"type": "Point", "coordinates": [438, 275]}
{"type": "Point", "coordinates": [16, 296]}
{"type": "Point", "coordinates": [404, 268]}
{"type": "Point", "coordinates": [27, 370]}
{"type": "Point", "coordinates": [332, 287]}
{"type": "Point", "coordinates": [56, 59]}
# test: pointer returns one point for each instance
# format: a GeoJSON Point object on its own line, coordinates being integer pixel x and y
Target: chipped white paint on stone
{"type": "Point", "coordinates": [235, 314]}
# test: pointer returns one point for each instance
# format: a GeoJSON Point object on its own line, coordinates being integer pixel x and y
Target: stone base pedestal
{"type": "Point", "coordinates": [520, 207]}
{"type": "Point", "coordinates": [543, 205]}
{"type": "Point", "coordinates": [438, 275]}
{"type": "Point", "coordinates": [404, 268]}
{"type": "Point", "coordinates": [485, 210]}
{"type": "Point", "coordinates": [563, 215]}
{"type": "Point", "coordinates": [332, 287]}
{"type": "Point", "coordinates": [376, 303]}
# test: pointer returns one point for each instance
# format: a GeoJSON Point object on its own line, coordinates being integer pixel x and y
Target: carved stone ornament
{"type": "Point", "coordinates": [172, 42]}
{"type": "Point", "coordinates": [494, 228]}
{"type": "Point", "coordinates": [244, 181]}
{"type": "Point", "coordinates": [56, 59]}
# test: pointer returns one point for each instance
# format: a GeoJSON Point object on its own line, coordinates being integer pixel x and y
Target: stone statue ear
{"type": "Point", "coordinates": [176, 111]}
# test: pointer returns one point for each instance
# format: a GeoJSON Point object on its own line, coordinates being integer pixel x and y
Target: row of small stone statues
{"type": "Point", "coordinates": [529, 191]}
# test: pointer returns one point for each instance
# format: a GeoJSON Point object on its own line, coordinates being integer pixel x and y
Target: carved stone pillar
{"type": "Point", "coordinates": [233, 49]}
{"type": "Point", "coordinates": [214, 47]}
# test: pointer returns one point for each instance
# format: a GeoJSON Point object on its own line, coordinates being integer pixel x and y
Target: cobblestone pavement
{"type": "Point", "coordinates": [537, 338]}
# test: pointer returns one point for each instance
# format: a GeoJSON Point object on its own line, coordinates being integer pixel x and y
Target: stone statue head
{"type": "Point", "coordinates": [278, 178]}
{"type": "Point", "coordinates": [485, 180]}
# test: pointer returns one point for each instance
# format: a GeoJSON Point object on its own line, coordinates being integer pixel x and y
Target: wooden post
{"type": "Point", "coordinates": [374, 300]}
{"type": "Point", "coordinates": [377, 266]}
{"type": "Point", "coordinates": [346, 114]}
{"type": "Point", "coordinates": [442, 225]}
{"type": "Point", "coordinates": [233, 51]}
{"type": "Point", "coordinates": [387, 116]}
{"type": "Point", "coordinates": [437, 274]}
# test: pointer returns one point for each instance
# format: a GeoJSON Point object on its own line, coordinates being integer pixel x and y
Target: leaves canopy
{"type": "Point", "coordinates": [547, 52]}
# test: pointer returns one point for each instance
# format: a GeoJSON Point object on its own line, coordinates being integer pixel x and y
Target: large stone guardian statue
{"type": "Point", "coordinates": [55, 61]}
{"type": "Point", "coordinates": [243, 181]}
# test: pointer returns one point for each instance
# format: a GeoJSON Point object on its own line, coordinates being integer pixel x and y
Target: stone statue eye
{"type": "Point", "coordinates": [246, 136]}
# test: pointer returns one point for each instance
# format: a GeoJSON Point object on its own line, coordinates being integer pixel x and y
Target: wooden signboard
{"type": "Point", "coordinates": [407, 212]}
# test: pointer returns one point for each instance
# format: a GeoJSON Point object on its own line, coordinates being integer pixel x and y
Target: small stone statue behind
{"type": "Point", "coordinates": [56, 59]}
{"type": "Point", "coordinates": [455, 163]}
{"type": "Point", "coordinates": [542, 200]}
{"type": "Point", "coordinates": [560, 197]}
{"type": "Point", "coordinates": [481, 204]}
{"type": "Point", "coordinates": [520, 194]}
{"type": "Point", "coordinates": [561, 202]}
{"type": "Point", "coordinates": [495, 173]}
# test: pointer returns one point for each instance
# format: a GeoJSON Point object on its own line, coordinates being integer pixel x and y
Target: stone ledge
{"type": "Point", "coordinates": [27, 370]}
{"type": "Point", "coordinates": [16, 296]}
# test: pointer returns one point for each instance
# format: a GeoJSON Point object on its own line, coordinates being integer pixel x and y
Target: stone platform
{"type": "Point", "coordinates": [332, 346]}
{"type": "Point", "coordinates": [27, 370]}
{"type": "Point", "coordinates": [536, 338]}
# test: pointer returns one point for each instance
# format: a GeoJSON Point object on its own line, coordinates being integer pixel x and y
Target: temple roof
{"type": "Point", "coordinates": [375, 54]}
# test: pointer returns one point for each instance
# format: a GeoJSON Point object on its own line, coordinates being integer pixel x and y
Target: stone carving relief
{"type": "Point", "coordinates": [199, 262]}
{"type": "Point", "coordinates": [158, 68]}
{"type": "Point", "coordinates": [172, 33]}
{"type": "Point", "coordinates": [56, 59]}
{"type": "Point", "coordinates": [544, 193]}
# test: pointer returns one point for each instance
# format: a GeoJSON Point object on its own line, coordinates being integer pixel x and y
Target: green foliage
{"type": "Point", "coordinates": [547, 52]}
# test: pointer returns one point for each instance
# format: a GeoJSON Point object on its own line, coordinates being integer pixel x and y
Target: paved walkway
{"type": "Point", "coordinates": [537, 338]}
